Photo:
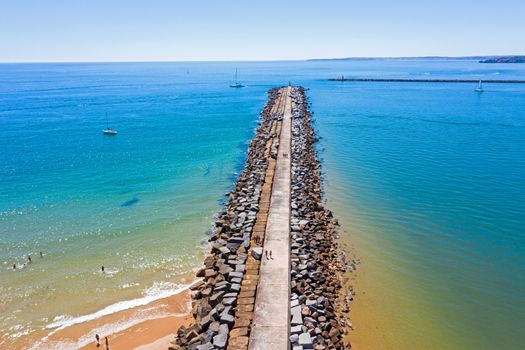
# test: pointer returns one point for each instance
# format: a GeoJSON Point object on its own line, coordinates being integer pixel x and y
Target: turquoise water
{"type": "Point", "coordinates": [425, 178]}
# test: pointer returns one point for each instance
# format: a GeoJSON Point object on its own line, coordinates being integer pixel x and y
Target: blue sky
{"type": "Point", "coordinates": [152, 30]}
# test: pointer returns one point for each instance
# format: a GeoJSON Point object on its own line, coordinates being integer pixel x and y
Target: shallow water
{"type": "Point", "coordinates": [425, 178]}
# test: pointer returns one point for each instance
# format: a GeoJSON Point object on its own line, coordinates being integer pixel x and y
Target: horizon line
{"type": "Point", "coordinates": [269, 60]}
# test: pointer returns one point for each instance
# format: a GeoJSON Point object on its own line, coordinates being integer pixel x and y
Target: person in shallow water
{"type": "Point", "coordinates": [107, 343]}
{"type": "Point", "coordinates": [29, 258]}
{"type": "Point", "coordinates": [14, 266]}
{"type": "Point", "coordinates": [102, 268]}
{"type": "Point", "coordinates": [97, 338]}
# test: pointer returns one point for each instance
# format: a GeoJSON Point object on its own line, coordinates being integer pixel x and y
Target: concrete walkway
{"type": "Point", "coordinates": [270, 328]}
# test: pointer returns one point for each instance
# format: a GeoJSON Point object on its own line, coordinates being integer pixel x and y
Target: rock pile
{"type": "Point", "coordinates": [317, 264]}
{"type": "Point", "coordinates": [222, 302]}
{"type": "Point", "coordinates": [214, 299]}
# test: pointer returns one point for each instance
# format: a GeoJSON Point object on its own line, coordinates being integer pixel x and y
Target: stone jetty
{"type": "Point", "coordinates": [317, 263]}
{"type": "Point", "coordinates": [415, 80]}
{"type": "Point", "coordinates": [273, 277]}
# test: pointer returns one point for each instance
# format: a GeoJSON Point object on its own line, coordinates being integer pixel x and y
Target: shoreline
{"type": "Point", "coordinates": [118, 325]}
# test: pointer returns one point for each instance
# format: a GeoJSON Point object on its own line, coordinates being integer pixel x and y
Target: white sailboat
{"type": "Point", "coordinates": [108, 130]}
{"type": "Point", "coordinates": [236, 84]}
{"type": "Point", "coordinates": [479, 88]}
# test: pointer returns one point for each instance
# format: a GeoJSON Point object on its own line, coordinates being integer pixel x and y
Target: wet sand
{"type": "Point", "coordinates": [149, 335]}
{"type": "Point", "coordinates": [147, 327]}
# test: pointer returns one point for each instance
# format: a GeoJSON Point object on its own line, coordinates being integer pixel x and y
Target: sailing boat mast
{"type": "Point", "coordinates": [236, 83]}
{"type": "Point", "coordinates": [479, 88]}
{"type": "Point", "coordinates": [107, 130]}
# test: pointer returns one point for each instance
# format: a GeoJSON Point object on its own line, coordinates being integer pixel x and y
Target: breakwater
{"type": "Point", "coordinates": [317, 263]}
{"type": "Point", "coordinates": [394, 80]}
{"type": "Point", "coordinates": [274, 274]}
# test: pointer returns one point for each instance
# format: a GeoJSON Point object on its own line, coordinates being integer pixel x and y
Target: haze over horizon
{"type": "Point", "coordinates": [204, 30]}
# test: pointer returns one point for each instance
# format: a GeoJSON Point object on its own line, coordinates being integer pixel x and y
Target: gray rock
{"type": "Point", "coordinates": [304, 222]}
{"type": "Point", "coordinates": [305, 340]}
{"type": "Point", "coordinates": [226, 310]}
{"type": "Point", "coordinates": [235, 287]}
{"type": "Point", "coordinates": [311, 320]}
{"type": "Point", "coordinates": [310, 302]}
{"type": "Point", "coordinates": [229, 301]}
{"type": "Point", "coordinates": [224, 250]}
{"type": "Point", "coordinates": [214, 327]}
{"type": "Point", "coordinates": [236, 240]}
{"type": "Point", "coordinates": [235, 274]}
{"type": "Point", "coordinates": [236, 280]}
{"type": "Point", "coordinates": [297, 318]}
{"type": "Point", "coordinates": [257, 253]}
{"type": "Point", "coordinates": [220, 340]}
{"type": "Point", "coordinates": [225, 270]}
{"type": "Point", "coordinates": [296, 329]}
{"type": "Point", "coordinates": [227, 319]}
{"type": "Point", "coordinates": [224, 329]}
{"type": "Point", "coordinates": [207, 346]}
{"type": "Point", "coordinates": [205, 322]}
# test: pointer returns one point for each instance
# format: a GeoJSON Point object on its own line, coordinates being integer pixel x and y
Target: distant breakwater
{"type": "Point", "coordinates": [223, 302]}
{"type": "Point", "coordinates": [395, 80]}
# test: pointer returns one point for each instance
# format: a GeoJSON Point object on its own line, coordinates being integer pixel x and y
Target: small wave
{"type": "Point", "coordinates": [18, 331]}
{"type": "Point", "coordinates": [111, 328]}
{"type": "Point", "coordinates": [128, 285]}
{"type": "Point", "coordinates": [17, 212]}
{"type": "Point", "coordinates": [155, 292]}
{"type": "Point", "coordinates": [110, 272]}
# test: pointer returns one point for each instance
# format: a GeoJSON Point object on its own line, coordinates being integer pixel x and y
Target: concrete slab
{"type": "Point", "coordinates": [270, 328]}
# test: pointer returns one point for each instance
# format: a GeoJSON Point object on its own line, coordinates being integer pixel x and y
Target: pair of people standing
{"type": "Point", "coordinates": [97, 337]}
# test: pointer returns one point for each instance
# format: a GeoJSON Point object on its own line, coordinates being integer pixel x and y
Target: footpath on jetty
{"type": "Point", "coordinates": [274, 275]}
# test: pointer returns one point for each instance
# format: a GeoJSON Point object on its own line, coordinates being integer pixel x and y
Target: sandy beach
{"type": "Point", "coordinates": [147, 327]}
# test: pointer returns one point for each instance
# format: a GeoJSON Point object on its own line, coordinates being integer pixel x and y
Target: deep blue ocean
{"type": "Point", "coordinates": [427, 181]}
